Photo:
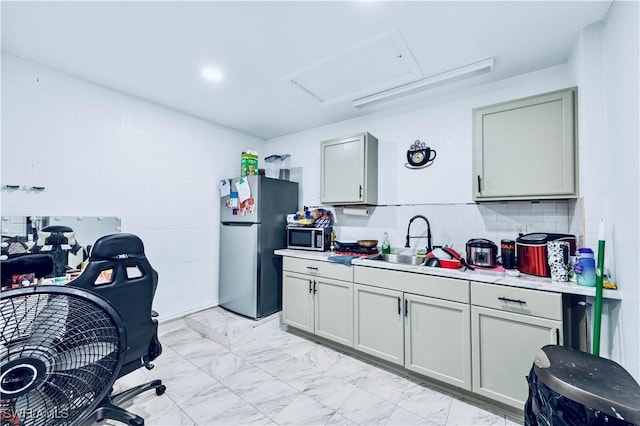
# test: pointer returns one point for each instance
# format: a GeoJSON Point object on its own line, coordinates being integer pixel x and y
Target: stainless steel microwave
{"type": "Point", "coordinates": [305, 238]}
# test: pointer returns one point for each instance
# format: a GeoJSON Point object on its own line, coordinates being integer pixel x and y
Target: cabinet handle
{"type": "Point", "coordinates": [315, 290]}
{"type": "Point", "coordinates": [406, 307]}
{"type": "Point", "coordinates": [310, 286]}
{"type": "Point", "coordinates": [399, 306]}
{"type": "Point", "coordinates": [360, 192]}
{"type": "Point", "coordinates": [504, 299]}
{"type": "Point", "coordinates": [479, 184]}
{"type": "Point", "coordinates": [557, 336]}
{"type": "Point", "coordinates": [313, 268]}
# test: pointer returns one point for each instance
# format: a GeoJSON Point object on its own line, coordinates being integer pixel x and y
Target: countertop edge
{"type": "Point", "coordinates": [523, 281]}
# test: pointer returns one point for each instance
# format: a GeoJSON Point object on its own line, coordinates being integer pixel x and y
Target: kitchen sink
{"type": "Point", "coordinates": [404, 259]}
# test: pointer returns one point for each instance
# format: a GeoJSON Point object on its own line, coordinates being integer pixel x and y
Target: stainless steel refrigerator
{"type": "Point", "coordinates": [250, 274]}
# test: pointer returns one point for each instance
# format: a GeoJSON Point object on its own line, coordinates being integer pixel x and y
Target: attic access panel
{"type": "Point", "coordinates": [377, 64]}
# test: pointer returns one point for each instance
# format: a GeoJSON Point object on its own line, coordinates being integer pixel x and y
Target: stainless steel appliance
{"type": "Point", "coordinates": [309, 238]}
{"type": "Point", "coordinates": [250, 274]}
{"type": "Point", "coordinates": [482, 252]}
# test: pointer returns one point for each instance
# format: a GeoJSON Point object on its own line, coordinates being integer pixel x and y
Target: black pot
{"type": "Point", "coordinates": [482, 252]}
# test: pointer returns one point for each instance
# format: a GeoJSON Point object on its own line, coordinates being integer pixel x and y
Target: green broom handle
{"type": "Point", "coordinates": [597, 317]}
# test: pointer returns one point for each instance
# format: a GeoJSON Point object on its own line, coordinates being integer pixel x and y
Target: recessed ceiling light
{"type": "Point", "coordinates": [212, 74]}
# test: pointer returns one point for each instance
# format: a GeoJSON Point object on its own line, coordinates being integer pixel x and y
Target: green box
{"type": "Point", "coordinates": [248, 163]}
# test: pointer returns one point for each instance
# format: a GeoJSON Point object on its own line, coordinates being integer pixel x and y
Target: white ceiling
{"type": "Point", "coordinates": [155, 50]}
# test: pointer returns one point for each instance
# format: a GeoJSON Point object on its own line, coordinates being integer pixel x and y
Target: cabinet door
{"type": "Point", "coordinates": [525, 148]}
{"type": "Point", "coordinates": [438, 339]}
{"type": "Point", "coordinates": [297, 301]}
{"type": "Point", "coordinates": [504, 345]}
{"type": "Point", "coordinates": [334, 310]}
{"type": "Point", "coordinates": [342, 175]}
{"type": "Point", "coordinates": [378, 322]}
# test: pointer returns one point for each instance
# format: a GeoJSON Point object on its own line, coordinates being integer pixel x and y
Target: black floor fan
{"type": "Point", "coordinates": [61, 350]}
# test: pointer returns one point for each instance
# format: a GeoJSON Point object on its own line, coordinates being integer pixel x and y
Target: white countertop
{"type": "Point", "coordinates": [492, 277]}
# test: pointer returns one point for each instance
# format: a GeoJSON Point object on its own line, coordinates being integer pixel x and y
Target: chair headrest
{"type": "Point", "coordinates": [56, 235]}
{"type": "Point", "coordinates": [57, 228]}
{"type": "Point", "coordinates": [115, 245]}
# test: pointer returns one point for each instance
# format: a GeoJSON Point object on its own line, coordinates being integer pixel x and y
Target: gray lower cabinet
{"type": "Point", "coordinates": [318, 304]}
{"type": "Point", "coordinates": [297, 301]}
{"type": "Point", "coordinates": [437, 339]}
{"type": "Point", "coordinates": [417, 321]}
{"type": "Point", "coordinates": [476, 336]}
{"type": "Point", "coordinates": [507, 333]}
{"type": "Point", "coordinates": [378, 323]}
{"type": "Point", "coordinates": [334, 310]}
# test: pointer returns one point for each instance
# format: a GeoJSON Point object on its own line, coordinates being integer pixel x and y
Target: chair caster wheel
{"type": "Point", "coordinates": [161, 389]}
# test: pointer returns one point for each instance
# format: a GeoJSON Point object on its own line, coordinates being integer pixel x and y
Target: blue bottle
{"type": "Point", "coordinates": [585, 268]}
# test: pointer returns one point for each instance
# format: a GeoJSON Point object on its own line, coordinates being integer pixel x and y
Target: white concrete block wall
{"type": "Point", "coordinates": [99, 152]}
{"type": "Point", "coordinates": [587, 64]}
{"type": "Point", "coordinates": [604, 62]}
{"type": "Point", "coordinates": [621, 192]}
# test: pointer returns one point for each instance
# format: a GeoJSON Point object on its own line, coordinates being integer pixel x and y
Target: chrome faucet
{"type": "Point", "coordinates": [429, 248]}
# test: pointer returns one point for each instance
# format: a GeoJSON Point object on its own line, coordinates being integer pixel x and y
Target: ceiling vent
{"type": "Point", "coordinates": [370, 67]}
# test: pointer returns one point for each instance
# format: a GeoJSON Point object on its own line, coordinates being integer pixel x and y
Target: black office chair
{"type": "Point", "coordinates": [119, 272]}
{"type": "Point", "coordinates": [60, 242]}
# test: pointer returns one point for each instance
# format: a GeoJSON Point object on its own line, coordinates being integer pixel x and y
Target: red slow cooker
{"type": "Point", "coordinates": [532, 252]}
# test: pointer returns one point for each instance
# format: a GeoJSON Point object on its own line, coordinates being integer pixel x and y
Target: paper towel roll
{"type": "Point", "coordinates": [356, 211]}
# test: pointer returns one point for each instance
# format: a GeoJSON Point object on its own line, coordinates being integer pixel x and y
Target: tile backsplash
{"type": "Point", "coordinates": [455, 224]}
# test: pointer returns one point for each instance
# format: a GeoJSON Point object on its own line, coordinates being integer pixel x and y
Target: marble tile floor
{"type": "Point", "coordinates": [253, 372]}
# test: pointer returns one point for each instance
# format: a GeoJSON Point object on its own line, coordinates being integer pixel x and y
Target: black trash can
{"type": "Point", "coordinates": [572, 388]}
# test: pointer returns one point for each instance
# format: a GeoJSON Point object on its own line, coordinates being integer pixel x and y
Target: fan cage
{"type": "Point", "coordinates": [75, 341]}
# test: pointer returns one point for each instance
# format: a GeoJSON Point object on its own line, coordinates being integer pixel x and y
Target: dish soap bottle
{"type": "Point", "coordinates": [386, 246]}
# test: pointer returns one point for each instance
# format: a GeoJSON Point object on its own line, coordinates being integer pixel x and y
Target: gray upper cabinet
{"type": "Point", "coordinates": [526, 149]}
{"type": "Point", "coordinates": [349, 170]}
